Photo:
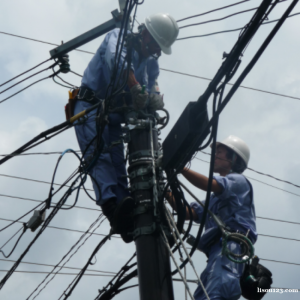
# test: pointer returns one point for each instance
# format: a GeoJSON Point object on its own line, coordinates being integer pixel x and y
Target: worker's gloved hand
{"type": "Point", "coordinates": [138, 99]}
{"type": "Point", "coordinates": [156, 102]}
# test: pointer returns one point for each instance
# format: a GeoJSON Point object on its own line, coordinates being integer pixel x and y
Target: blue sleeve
{"type": "Point", "coordinates": [110, 53]}
{"type": "Point", "coordinates": [153, 73]}
{"type": "Point", "coordinates": [198, 210]}
{"type": "Point", "coordinates": [235, 189]}
{"type": "Point", "coordinates": [236, 208]}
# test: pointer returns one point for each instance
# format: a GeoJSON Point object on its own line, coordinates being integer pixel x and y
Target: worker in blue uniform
{"type": "Point", "coordinates": [232, 202]}
{"type": "Point", "coordinates": [108, 173]}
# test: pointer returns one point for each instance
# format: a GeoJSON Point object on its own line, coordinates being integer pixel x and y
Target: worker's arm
{"type": "Point", "coordinates": [170, 198]}
{"type": "Point", "coordinates": [139, 96]}
{"type": "Point", "coordinates": [200, 181]}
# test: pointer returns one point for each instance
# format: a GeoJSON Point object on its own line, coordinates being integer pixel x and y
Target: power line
{"type": "Point", "coordinates": [220, 19]}
{"type": "Point", "coordinates": [241, 86]}
{"type": "Point", "coordinates": [264, 174]}
{"type": "Point", "coordinates": [295, 223]}
{"type": "Point", "coordinates": [226, 17]}
{"type": "Point", "coordinates": [82, 207]}
{"type": "Point", "coordinates": [230, 30]}
{"type": "Point", "coordinates": [281, 262]}
{"type": "Point", "coordinates": [60, 228]}
{"type": "Point", "coordinates": [276, 261]}
{"type": "Point", "coordinates": [275, 187]}
{"type": "Point", "coordinates": [39, 272]}
{"type": "Point", "coordinates": [47, 265]}
{"type": "Point", "coordinates": [208, 12]}
{"type": "Point", "coordinates": [35, 40]}
{"type": "Point", "coordinates": [15, 84]}
{"type": "Point", "coordinates": [35, 180]}
{"type": "Point", "coordinates": [26, 88]}
{"type": "Point", "coordinates": [98, 210]}
{"type": "Point", "coordinates": [167, 70]}
{"type": "Point", "coordinates": [37, 153]}
{"type": "Point", "coordinates": [24, 72]}
{"type": "Point", "coordinates": [279, 237]}
{"type": "Point", "coordinates": [28, 199]}
{"type": "Point", "coordinates": [270, 219]}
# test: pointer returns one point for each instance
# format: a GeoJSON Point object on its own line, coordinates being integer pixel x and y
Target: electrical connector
{"type": "Point", "coordinates": [36, 220]}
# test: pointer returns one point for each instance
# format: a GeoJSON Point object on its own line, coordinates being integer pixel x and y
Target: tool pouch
{"type": "Point", "coordinates": [69, 108]}
{"type": "Point", "coordinates": [256, 278]}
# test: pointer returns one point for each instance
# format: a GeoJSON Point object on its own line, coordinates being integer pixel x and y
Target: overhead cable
{"type": "Point", "coordinates": [37, 153]}
{"type": "Point", "coordinates": [173, 228]}
{"type": "Point", "coordinates": [264, 174]}
{"type": "Point", "coordinates": [177, 266]}
{"type": "Point", "coordinates": [230, 30]}
{"type": "Point", "coordinates": [180, 73]}
{"type": "Point", "coordinates": [40, 201]}
{"type": "Point", "coordinates": [27, 78]}
{"type": "Point", "coordinates": [112, 288]}
{"type": "Point", "coordinates": [241, 86]}
{"type": "Point", "coordinates": [208, 12]}
{"type": "Point", "coordinates": [39, 272]}
{"type": "Point", "coordinates": [219, 19]}
{"type": "Point", "coordinates": [64, 267]}
{"type": "Point", "coordinates": [61, 228]}
{"type": "Point", "coordinates": [24, 72]}
{"type": "Point", "coordinates": [41, 230]}
{"type": "Point", "coordinates": [52, 75]}
{"type": "Point", "coordinates": [35, 40]}
{"type": "Point", "coordinates": [226, 17]}
{"type": "Point", "coordinates": [76, 73]}
{"type": "Point", "coordinates": [82, 272]}
{"type": "Point", "coordinates": [35, 180]}
{"type": "Point", "coordinates": [59, 267]}
{"type": "Point", "coordinates": [275, 187]}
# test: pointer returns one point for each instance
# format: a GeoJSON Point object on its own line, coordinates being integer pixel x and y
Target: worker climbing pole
{"type": "Point", "coordinates": [124, 92]}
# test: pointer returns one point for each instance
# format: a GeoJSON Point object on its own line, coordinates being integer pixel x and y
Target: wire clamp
{"type": "Point", "coordinates": [143, 231]}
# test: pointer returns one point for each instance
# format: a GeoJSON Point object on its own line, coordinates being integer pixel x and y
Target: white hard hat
{"type": "Point", "coordinates": [164, 29]}
{"type": "Point", "coordinates": [238, 146]}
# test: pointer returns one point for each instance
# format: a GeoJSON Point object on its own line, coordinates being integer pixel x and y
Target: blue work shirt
{"type": "Point", "coordinates": [234, 206]}
{"type": "Point", "coordinates": [98, 73]}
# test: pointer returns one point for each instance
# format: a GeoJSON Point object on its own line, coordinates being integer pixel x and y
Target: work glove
{"type": "Point", "coordinates": [156, 102]}
{"type": "Point", "coordinates": [139, 99]}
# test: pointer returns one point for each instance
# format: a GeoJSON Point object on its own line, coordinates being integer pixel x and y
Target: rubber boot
{"type": "Point", "coordinates": [108, 209]}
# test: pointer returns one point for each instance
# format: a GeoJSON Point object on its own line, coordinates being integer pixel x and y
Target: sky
{"type": "Point", "coordinates": [268, 123]}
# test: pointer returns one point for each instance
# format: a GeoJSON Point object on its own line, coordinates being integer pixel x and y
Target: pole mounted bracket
{"type": "Point", "coordinates": [88, 36]}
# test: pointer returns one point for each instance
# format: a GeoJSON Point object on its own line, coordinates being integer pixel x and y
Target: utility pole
{"type": "Point", "coordinates": [154, 271]}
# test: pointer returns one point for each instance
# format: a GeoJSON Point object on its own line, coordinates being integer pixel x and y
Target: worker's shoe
{"type": "Point", "coordinates": [123, 219]}
{"type": "Point", "coordinates": [108, 209]}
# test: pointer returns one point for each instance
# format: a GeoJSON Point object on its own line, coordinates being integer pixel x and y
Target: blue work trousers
{"type": "Point", "coordinates": [221, 277]}
{"type": "Point", "coordinates": [109, 171]}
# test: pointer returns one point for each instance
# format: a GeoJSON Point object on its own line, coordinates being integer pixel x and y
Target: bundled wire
{"type": "Point", "coordinates": [81, 273]}
{"type": "Point", "coordinates": [24, 230]}
{"type": "Point", "coordinates": [50, 76]}
{"type": "Point", "coordinates": [44, 226]}
{"type": "Point", "coordinates": [223, 103]}
{"type": "Point", "coordinates": [57, 266]}
{"type": "Point", "coordinates": [208, 12]}
{"type": "Point", "coordinates": [113, 287]}
{"type": "Point", "coordinates": [50, 67]}
{"type": "Point", "coordinates": [25, 72]}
